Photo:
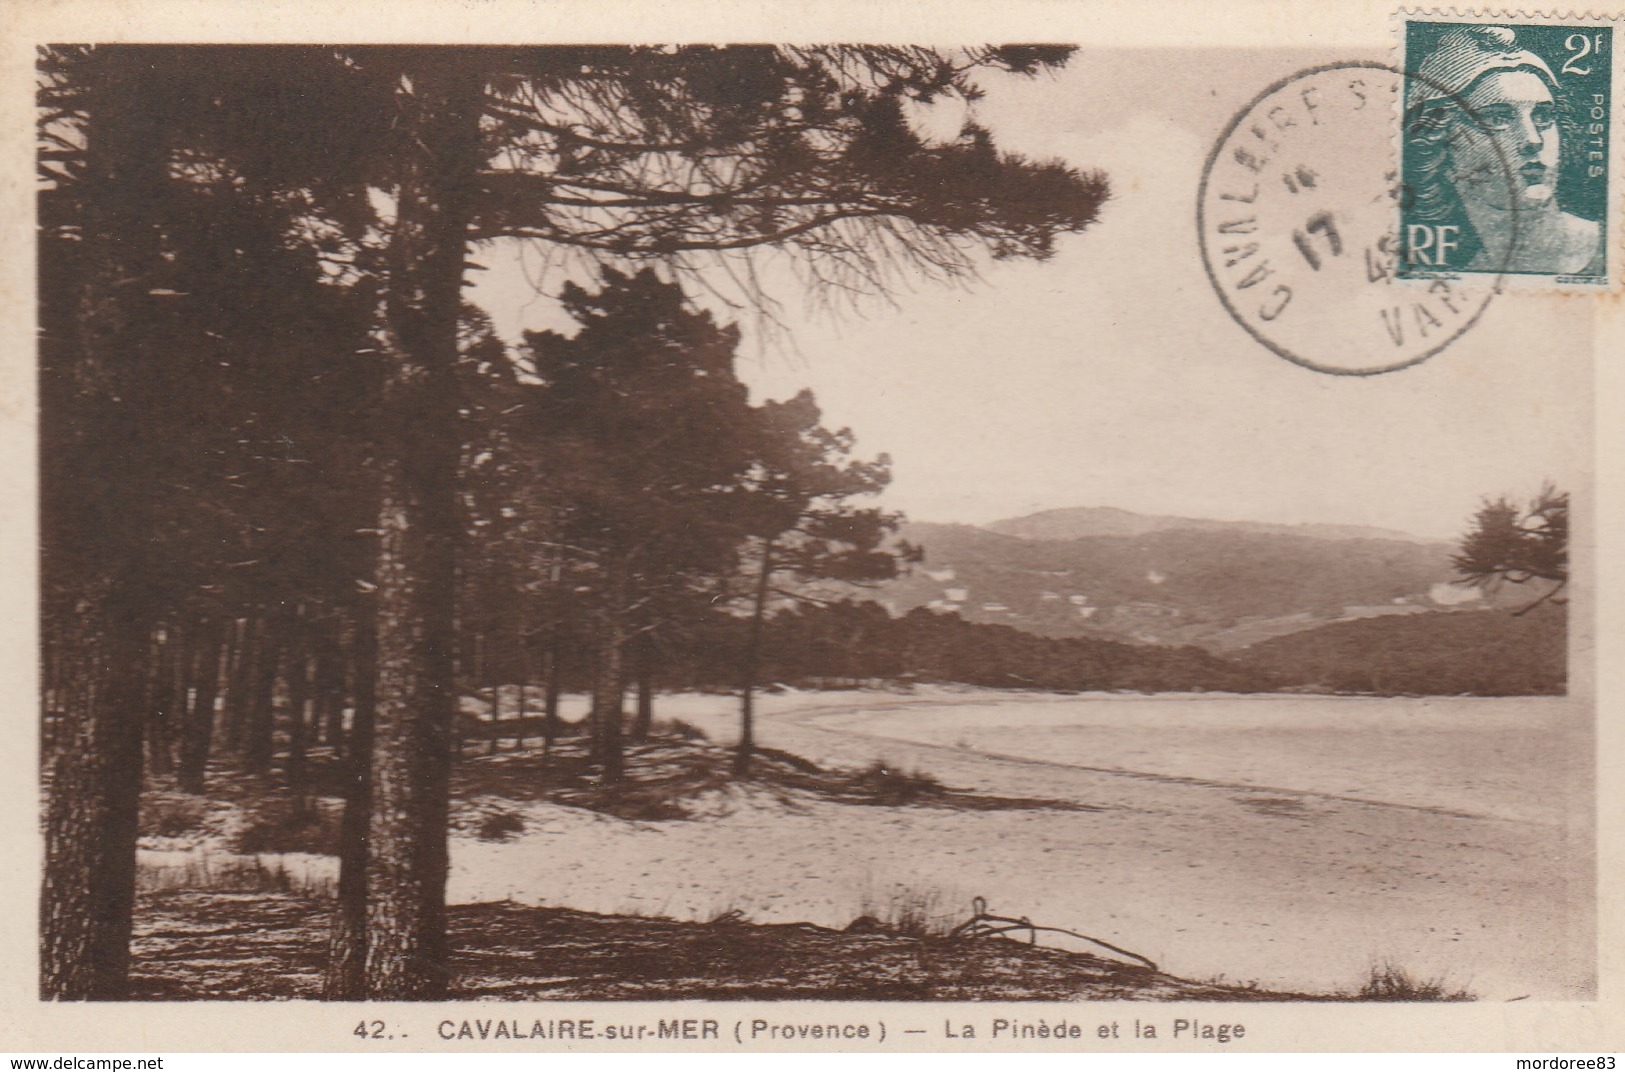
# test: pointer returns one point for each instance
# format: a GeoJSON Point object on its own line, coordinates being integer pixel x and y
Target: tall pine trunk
{"type": "Point", "coordinates": [198, 728]}
{"type": "Point", "coordinates": [485, 674]}
{"type": "Point", "coordinates": [437, 159]}
{"type": "Point", "coordinates": [526, 666]}
{"type": "Point", "coordinates": [91, 815]}
{"type": "Point", "coordinates": [753, 658]}
{"type": "Point", "coordinates": [260, 724]}
{"type": "Point", "coordinates": [558, 631]}
{"type": "Point", "coordinates": [297, 674]}
{"type": "Point", "coordinates": [162, 698]}
{"type": "Point", "coordinates": [346, 974]}
{"type": "Point", "coordinates": [240, 687]}
{"type": "Point", "coordinates": [327, 717]}
{"type": "Point", "coordinates": [644, 673]}
{"type": "Point", "coordinates": [99, 580]}
{"type": "Point", "coordinates": [609, 686]}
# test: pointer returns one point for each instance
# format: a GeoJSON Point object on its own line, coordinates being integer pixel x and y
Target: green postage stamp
{"type": "Point", "coordinates": [1507, 147]}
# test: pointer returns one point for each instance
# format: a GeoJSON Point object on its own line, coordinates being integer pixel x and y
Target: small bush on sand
{"type": "Point", "coordinates": [289, 826]}
{"type": "Point", "coordinates": [789, 759]}
{"type": "Point", "coordinates": [906, 913]}
{"type": "Point", "coordinates": [890, 785]}
{"type": "Point", "coordinates": [1390, 982]}
{"type": "Point", "coordinates": [171, 815]}
{"type": "Point", "coordinates": [500, 826]}
{"type": "Point", "coordinates": [645, 803]}
{"type": "Point", "coordinates": [678, 728]}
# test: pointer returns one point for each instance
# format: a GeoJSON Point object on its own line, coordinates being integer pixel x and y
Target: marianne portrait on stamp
{"type": "Point", "coordinates": [1487, 127]}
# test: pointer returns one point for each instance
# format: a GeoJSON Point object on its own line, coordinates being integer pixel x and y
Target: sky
{"type": "Point", "coordinates": [1111, 375]}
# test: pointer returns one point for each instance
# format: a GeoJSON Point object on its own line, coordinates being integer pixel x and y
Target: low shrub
{"type": "Point", "coordinates": [172, 815]}
{"type": "Point", "coordinates": [906, 913]}
{"type": "Point", "coordinates": [499, 826]}
{"type": "Point", "coordinates": [889, 785]}
{"type": "Point", "coordinates": [1390, 982]}
{"type": "Point", "coordinates": [289, 826]}
{"type": "Point", "coordinates": [789, 759]}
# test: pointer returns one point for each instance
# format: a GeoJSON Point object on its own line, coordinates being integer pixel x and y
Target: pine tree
{"type": "Point", "coordinates": [1515, 544]}
{"type": "Point", "coordinates": [644, 408]}
{"type": "Point", "coordinates": [807, 529]}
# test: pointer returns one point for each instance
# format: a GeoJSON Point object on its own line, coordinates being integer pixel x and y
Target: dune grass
{"type": "Point", "coordinates": [1388, 981]}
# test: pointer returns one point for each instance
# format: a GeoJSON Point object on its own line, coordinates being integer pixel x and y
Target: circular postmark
{"type": "Point", "coordinates": [1298, 220]}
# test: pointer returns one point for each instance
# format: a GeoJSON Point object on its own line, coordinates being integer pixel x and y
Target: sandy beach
{"type": "Point", "coordinates": [1292, 841]}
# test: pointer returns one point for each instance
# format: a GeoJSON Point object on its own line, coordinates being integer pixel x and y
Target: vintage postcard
{"type": "Point", "coordinates": [558, 528]}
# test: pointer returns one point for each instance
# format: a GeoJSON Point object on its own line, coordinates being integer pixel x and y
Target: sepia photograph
{"type": "Point", "coordinates": [867, 532]}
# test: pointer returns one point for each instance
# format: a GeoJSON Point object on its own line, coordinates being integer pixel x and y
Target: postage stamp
{"type": "Point", "coordinates": [1507, 145]}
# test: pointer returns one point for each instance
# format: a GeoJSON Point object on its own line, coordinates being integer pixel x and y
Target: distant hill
{"type": "Point", "coordinates": [1080, 521]}
{"type": "Point", "coordinates": [1482, 652]}
{"type": "Point", "coordinates": [1112, 574]}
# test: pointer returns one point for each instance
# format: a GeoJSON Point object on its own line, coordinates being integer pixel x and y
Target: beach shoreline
{"type": "Point", "coordinates": [1288, 888]}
